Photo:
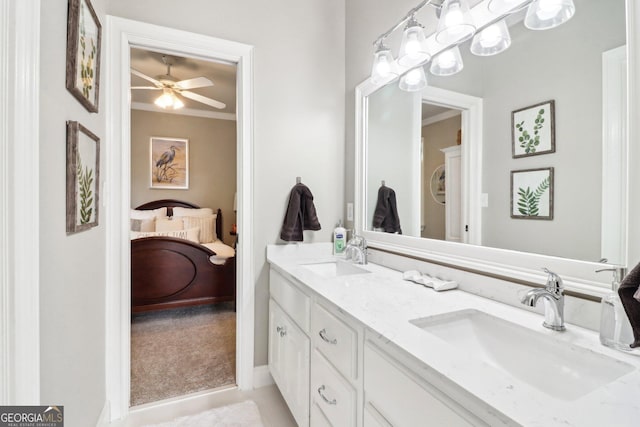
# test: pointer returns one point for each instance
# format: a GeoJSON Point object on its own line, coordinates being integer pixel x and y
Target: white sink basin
{"type": "Point", "coordinates": [334, 269]}
{"type": "Point", "coordinates": [554, 367]}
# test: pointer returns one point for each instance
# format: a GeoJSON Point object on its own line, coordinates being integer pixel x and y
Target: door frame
{"type": "Point", "coordinates": [121, 35]}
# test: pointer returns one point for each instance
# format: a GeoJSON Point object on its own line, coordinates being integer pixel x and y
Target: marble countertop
{"type": "Point", "coordinates": [384, 304]}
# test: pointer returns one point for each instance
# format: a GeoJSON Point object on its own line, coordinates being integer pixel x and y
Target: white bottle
{"type": "Point", "coordinates": [339, 239]}
{"type": "Point", "coordinates": [615, 329]}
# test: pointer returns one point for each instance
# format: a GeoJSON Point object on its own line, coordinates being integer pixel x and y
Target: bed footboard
{"type": "Point", "coordinates": [167, 272]}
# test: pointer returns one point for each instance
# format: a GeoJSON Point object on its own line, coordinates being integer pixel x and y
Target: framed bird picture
{"type": "Point", "coordinates": [169, 163]}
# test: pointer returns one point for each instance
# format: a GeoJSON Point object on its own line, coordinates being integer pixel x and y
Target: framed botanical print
{"type": "Point", "coordinates": [83, 178]}
{"type": "Point", "coordinates": [169, 163]}
{"type": "Point", "coordinates": [83, 53]}
{"type": "Point", "coordinates": [533, 130]}
{"type": "Point", "coordinates": [532, 193]}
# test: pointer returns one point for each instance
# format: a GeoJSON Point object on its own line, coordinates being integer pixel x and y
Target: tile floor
{"type": "Point", "coordinates": [273, 409]}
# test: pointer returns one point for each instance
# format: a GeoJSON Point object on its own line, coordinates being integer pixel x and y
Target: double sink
{"type": "Point", "coordinates": [557, 368]}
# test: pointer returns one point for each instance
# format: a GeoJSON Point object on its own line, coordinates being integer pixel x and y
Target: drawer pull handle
{"type": "Point", "coordinates": [330, 402]}
{"type": "Point", "coordinates": [323, 335]}
{"type": "Point", "coordinates": [281, 330]}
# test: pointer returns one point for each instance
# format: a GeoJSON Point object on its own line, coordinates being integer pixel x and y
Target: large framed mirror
{"type": "Point", "coordinates": [581, 70]}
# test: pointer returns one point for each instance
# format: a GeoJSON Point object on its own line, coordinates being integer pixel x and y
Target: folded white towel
{"type": "Point", "coordinates": [432, 282]}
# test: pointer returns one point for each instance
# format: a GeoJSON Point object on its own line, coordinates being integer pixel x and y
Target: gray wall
{"type": "Point", "coordinates": [571, 76]}
{"type": "Point", "coordinates": [72, 273]}
{"type": "Point", "coordinates": [299, 111]}
{"type": "Point", "coordinates": [212, 161]}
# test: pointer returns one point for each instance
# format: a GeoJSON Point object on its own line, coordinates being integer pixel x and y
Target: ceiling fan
{"type": "Point", "coordinates": [171, 87]}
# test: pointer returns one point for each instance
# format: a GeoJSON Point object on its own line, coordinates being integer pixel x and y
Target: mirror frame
{"type": "Point", "coordinates": [522, 267]}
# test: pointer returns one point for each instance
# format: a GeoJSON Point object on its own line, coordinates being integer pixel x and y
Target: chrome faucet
{"type": "Point", "coordinates": [356, 250]}
{"type": "Point", "coordinates": [554, 298]}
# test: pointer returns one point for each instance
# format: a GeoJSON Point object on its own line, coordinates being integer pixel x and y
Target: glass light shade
{"type": "Point", "coordinates": [455, 24]}
{"type": "Point", "coordinates": [492, 40]}
{"type": "Point", "coordinates": [447, 63]}
{"type": "Point", "coordinates": [500, 7]}
{"type": "Point", "coordinates": [384, 68]}
{"type": "Point", "coordinates": [413, 49]}
{"type": "Point", "coordinates": [547, 14]}
{"type": "Point", "coordinates": [414, 80]}
{"type": "Point", "coordinates": [168, 99]}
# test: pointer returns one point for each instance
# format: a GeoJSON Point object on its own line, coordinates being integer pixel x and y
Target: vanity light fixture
{"type": "Point", "coordinates": [500, 7]}
{"type": "Point", "coordinates": [168, 99]}
{"type": "Point", "coordinates": [447, 63]}
{"type": "Point", "coordinates": [547, 14]}
{"type": "Point", "coordinates": [456, 25]}
{"type": "Point", "coordinates": [491, 40]}
{"type": "Point", "coordinates": [414, 80]}
{"type": "Point", "coordinates": [413, 49]}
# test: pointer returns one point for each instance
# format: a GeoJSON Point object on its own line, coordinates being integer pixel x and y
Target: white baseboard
{"type": "Point", "coordinates": [261, 376]}
{"type": "Point", "coordinates": [105, 415]}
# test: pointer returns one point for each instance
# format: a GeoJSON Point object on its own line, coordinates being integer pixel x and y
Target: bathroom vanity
{"type": "Point", "coordinates": [355, 345]}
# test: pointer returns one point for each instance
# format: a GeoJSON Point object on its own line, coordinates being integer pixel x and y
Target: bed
{"type": "Point", "coordinates": [169, 272]}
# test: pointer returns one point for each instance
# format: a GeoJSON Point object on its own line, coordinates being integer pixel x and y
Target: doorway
{"type": "Point", "coordinates": [123, 35]}
{"type": "Point", "coordinates": [183, 149]}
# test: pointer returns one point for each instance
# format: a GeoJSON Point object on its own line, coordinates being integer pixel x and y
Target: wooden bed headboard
{"type": "Point", "coordinates": [172, 203]}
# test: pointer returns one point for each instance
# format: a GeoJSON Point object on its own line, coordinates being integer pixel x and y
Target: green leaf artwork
{"type": "Point", "coordinates": [87, 62]}
{"type": "Point", "coordinates": [527, 141]}
{"type": "Point", "coordinates": [529, 201]}
{"type": "Point", "coordinates": [85, 181]}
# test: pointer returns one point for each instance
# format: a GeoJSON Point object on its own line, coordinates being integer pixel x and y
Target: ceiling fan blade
{"type": "Point", "coordinates": [203, 99]}
{"type": "Point", "coordinates": [146, 87]}
{"type": "Point", "coordinates": [144, 76]}
{"type": "Point", "coordinates": [194, 83]}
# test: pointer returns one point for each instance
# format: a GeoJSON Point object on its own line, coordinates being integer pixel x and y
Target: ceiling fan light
{"type": "Point", "coordinates": [165, 100]}
{"type": "Point", "coordinates": [447, 63]}
{"type": "Point", "coordinates": [177, 103]}
{"type": "Point", "coordinates": [547, 14]}
{"type": "Point", "coordinates": [414, 80]}
{"type": "Point", "coordinates": [455, 24]}
{"type": "Point", "coordinates": [492, 40]}
{"type": "Point", "coordinates": [384, 68]}
{"type": "Point", "coordinates": [413, 49]}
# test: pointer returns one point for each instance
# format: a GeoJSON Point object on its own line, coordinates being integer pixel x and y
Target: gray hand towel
{"type": "Point", "coordinates": [386, 212]}
{"type": "Point", "coordinates": [628, 287]}
{"type": "Point", "coordinates": [301, 214]}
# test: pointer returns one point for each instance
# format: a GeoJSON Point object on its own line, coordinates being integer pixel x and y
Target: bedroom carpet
{"type": "Point", "coordinates": [244, 414]}
{"type": "Point", "coordinates": [180, 351]}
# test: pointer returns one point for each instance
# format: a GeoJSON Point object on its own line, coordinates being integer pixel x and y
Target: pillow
{"type": "Point", "coordinates": [144, 225]}
{"type": "Point", "coordinates": [192, 212]}
{"type": "Point", "coordinates": [206, 224]}
{"type": "Point", "coordinates": [190, 234]}
{"type": "Point", "coordinates": [169, 224]}
{"type": "Point", "coordinates": [155, 213]}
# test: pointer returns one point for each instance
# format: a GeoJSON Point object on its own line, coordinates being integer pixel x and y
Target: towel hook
{"type": "Point", "coordinates": [298, 180]}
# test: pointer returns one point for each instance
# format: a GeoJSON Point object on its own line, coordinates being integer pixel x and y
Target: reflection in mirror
{"type": "Point", "coordinates": [581, 67]}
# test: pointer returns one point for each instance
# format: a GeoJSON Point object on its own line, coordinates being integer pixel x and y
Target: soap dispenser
{"type": "Point", "coordinates": [615, 329]}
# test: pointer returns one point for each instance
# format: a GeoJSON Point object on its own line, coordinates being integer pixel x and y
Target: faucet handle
{"type": "Point", "coordinates": [554, 281]}
{"type": "Point", "coordinates": [618, 275]}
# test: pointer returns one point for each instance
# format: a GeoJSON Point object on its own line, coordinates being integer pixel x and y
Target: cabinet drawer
{"type": "Point", "coordinates": [332, 393]}
{"type": "Point", "coordinates": [317, 417]}
{"type": "Point", "coordinates": [291, 299]}
{"type": "Point", "coordinates": [399, 400]}
{"type": "Point", "coordinates": [335, 340]}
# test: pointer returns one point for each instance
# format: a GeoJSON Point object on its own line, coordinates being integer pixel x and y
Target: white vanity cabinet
{"type": "Point", "coordinates": [289, 345]}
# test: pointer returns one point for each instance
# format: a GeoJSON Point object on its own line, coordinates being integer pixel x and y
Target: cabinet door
{"type": "Point", "coordinates": [289, 362]}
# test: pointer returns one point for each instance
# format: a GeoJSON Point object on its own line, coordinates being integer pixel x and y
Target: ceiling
{"type": "Point", "coordinates": [223, 76]}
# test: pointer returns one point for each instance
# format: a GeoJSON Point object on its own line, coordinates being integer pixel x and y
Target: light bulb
{"type": "Point", "coordinates": [455, 24]}
{"type": "Point", "coordinates": [447, 63]}
{"type": "Point", "coordinates": [447, 59]}
{"type": "Point", "coordinates": [547, 14]}
{"type": "Point", "coordinates": [492, 40]}
{"type": "Point", "coordinates": [177, 103]}
{"type": "Point", "coordinates": [414, 80]}
{"type": "Point", "coordinates": [413, 49]}
{"type": "Point", "coordinates": [384, 68]}
{"type": "Point", "coordinates": [165, 100]}
{"type": "Point", "coordinates": [413, 76]}
{"type": "Point", "coordinates": [454, 17]}
{"type": "Point", "coordinates": [490, 36]}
